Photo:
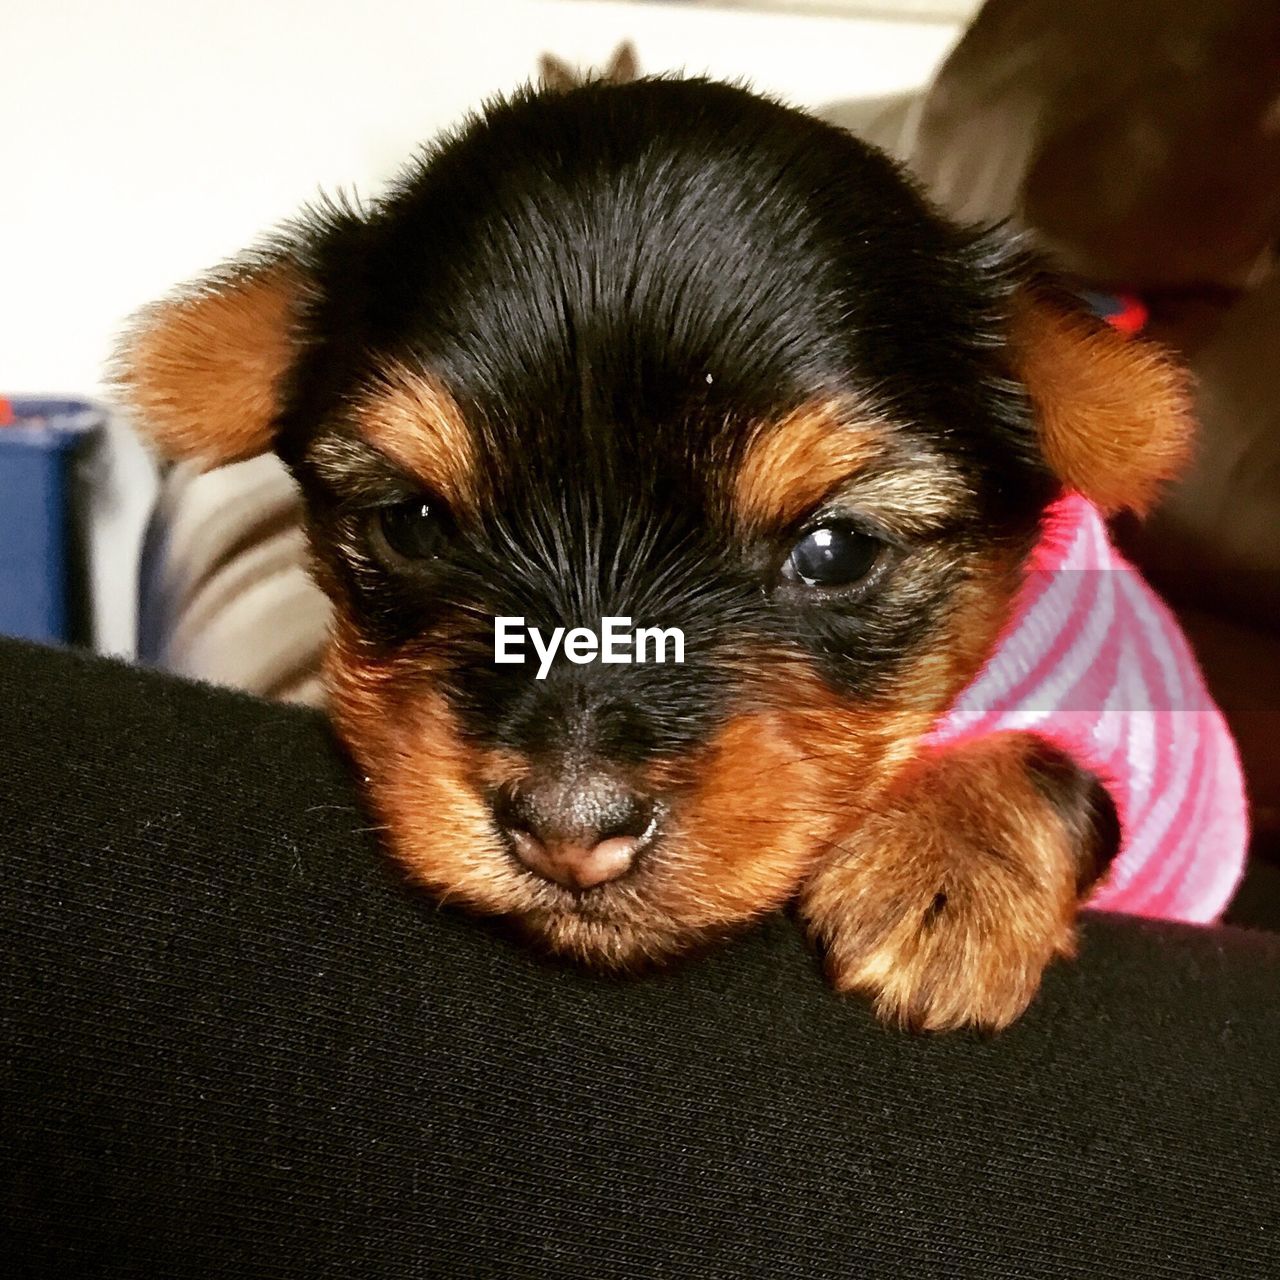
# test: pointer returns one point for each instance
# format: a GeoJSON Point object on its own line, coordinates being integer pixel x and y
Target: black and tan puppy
{"type": "Point", "coordinates": [672, 352]}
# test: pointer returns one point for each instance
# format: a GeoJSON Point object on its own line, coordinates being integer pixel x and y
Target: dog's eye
{"type": "Point", "coordinates": [833, 555]}
{"type": "Point", "coordinates": [412, 530]}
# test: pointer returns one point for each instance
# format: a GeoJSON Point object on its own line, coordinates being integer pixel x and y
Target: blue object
{"type": "Point", "coordinates": [43, 574]}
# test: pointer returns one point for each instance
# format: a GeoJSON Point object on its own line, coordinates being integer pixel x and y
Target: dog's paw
{"type": "Point", "coordinates": [947, 951]}
{"type": "Point", "coordinates": [945, 907]}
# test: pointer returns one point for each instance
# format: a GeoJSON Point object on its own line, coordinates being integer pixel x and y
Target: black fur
{"type": "Point", "coordinates": [615, 283]}
{"type": "Point", "coordinates": [1086, 808]}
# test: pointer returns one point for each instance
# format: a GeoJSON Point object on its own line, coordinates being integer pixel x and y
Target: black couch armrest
{"type": "Point", "coordinates": [234, 1045]}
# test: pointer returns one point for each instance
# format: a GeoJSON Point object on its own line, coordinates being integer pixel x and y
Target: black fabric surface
{"type": "Point", "coordinates": [233, 1046]}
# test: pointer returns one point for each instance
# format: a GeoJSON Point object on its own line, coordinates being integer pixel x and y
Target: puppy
{"type": "Point", "coordinates": [674, 353]}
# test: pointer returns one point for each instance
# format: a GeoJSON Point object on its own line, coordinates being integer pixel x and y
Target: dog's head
{"type": "Point", "coordinates": [671, 353]}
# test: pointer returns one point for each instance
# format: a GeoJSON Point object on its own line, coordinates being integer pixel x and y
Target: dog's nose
{"type": "Point", "coordinates": [579, 831]}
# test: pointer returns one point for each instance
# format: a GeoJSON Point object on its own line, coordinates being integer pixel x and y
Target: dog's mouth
{"type": "Point", "coordinates": [669, 905]}
{"type": "Point", "coordinates": [645, 915]}
{"type": "Point", "coordinates": [628, 899]}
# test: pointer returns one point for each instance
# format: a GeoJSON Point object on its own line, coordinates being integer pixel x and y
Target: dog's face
{"type": "Point", "coordinates": [664, 352]}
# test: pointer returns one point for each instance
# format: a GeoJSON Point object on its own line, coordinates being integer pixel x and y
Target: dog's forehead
{"type": "Point", "coordinates": [625, 289]}
{"type": "Point", "coordinates": [658, 248]}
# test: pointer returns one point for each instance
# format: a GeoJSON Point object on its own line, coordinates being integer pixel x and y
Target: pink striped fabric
{"type": "Point", "coordinates": [1094, 662]}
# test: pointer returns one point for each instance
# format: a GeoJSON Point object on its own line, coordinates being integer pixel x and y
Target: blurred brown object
{"type": "Point", "coordinates": [556, 74]}
{"type": "Point", "coordinates": [1140, 139]}
{"type": "Point", "coordinates": [1138, 142]}
{"type": "Point", "coordinates": [1215, 540]}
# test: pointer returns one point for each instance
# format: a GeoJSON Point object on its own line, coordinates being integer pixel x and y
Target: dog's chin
{"type": "Point", "coordinates": [618, 946]}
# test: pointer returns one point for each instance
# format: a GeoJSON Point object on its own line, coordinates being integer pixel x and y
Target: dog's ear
{"type": "Point", "coordinates": [624, 66]}
{"type": "Point", "coordinates": [1114, 414]}
{"type": "Point", "coordinates": [202, 370]}
{"type": "Point", "coordinates": [555, 75]}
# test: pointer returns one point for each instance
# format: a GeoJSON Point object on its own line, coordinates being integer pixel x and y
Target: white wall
{"type": "Point", "coordinates": [142, 141]}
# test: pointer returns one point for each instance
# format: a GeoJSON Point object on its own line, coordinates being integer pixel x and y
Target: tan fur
{"type": "Point", "coordinates": [824, 449]}
{"type": "Point", "coordinates": [755, 817]}
{"type": "Point", "coordinates": [201, 370]}
{"type": "Point", "coordinates": [427, 786]}
{"type": "Point", "coordinates": [1115, 414]}
{"type": "Point", "coordinates": [418, 773]}
{"type": "Point", "coordinates": [946, 903]}
{"type": "Point", "coordinates": [412, 419]}
{"type": "Point", "coordinates": [792, 465]}
{"type": "Point", "coordinates": [755, 813]}
{"type": "Point", "coordinates": [859, 749]}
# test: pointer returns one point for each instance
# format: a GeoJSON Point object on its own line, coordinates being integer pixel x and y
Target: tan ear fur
{"type": "Point", "coordinates": [201, 370]}
{"type": "Point", "coordinates": [1114, 413]}
{"type": "Point", "coordinates": [556, 75]}
{"type": "Point", "coordinates": [624, 66]}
